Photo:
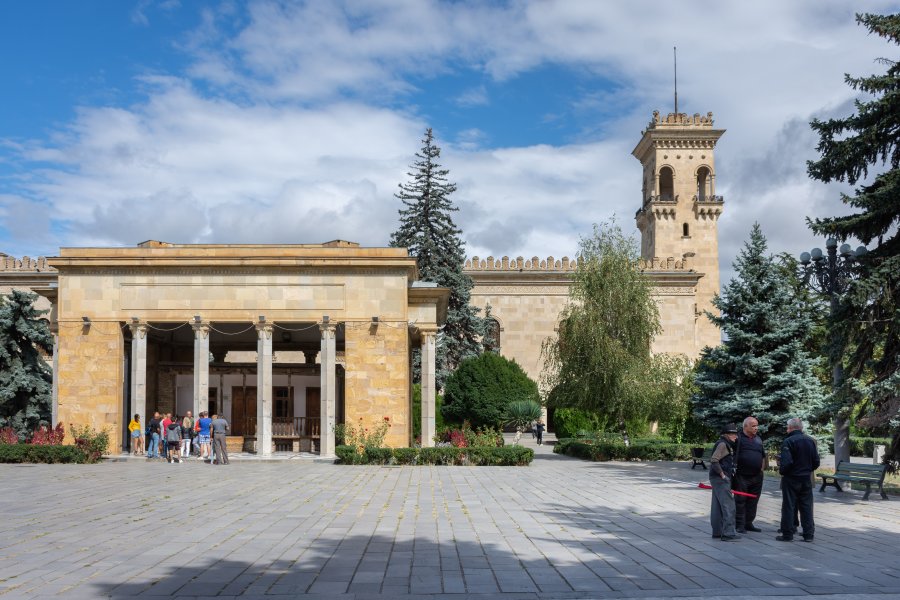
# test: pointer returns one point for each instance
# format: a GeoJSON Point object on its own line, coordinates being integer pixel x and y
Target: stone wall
{"type": "Point", "coordinates": [376, 384]}
{"type": "Point", "coordinates": [91, 364]}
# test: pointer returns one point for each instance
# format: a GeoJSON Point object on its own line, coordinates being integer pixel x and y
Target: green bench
{"type": "Point", "coordinates": [856, 472]}
{"type": "Point", "coordinates": [700, 456]}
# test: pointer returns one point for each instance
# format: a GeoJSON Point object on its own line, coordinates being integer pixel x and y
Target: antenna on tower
{"type": "Point", "coordinates": [675, 57]}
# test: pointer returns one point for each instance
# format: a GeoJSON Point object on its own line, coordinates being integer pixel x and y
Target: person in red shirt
{"type": "Point", "coordinates": [167, 420]}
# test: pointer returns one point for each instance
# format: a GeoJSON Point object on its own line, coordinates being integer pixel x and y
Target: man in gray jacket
{"type": "Point", "coordinates": [219, 427]}
{"type": "Point", "coordinates": [721, 470]}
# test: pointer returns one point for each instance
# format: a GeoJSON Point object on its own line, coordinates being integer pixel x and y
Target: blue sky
{"type": "Point", "coordinates": [263, 121]}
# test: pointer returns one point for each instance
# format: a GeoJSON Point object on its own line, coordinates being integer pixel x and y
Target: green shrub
{"type": "Point", "coordinates": [482, 387]}
{"type": "Point", "coordinates": [406, 456]}
{"type": "Point", "coordinates": [570, 422]}
{"type": "Point", "coordinates": [862, 446]}
{"type": "Point", "coordinates": [442, 455]}
{"type": "Point", "coordinates": [643, 450]}
{"type": "Point", "coordinates": [93, 443]}
{"type": "Point", "coordinates": [28, 453]}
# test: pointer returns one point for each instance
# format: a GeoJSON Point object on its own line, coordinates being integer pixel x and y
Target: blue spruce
{"type": "Point", "coordinates": [762, 368]}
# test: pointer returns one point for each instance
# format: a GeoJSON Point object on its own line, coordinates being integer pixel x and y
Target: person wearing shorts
{"type": "Point", "coordinates": [204, 423]}
{"type": "Point", "coordinates": [137, 435]}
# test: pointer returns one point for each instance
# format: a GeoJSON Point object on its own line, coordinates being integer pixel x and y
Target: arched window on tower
{"type": "Point", "coordinates": [666, 185]}
{"type": "Point", "coordinates": [703, 181]}
{"type": "Point", "coordinates": [491, 341]}
{"type": "Point", "coordinates": [686, 230]}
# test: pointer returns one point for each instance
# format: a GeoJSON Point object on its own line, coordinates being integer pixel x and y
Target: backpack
{"type": "Point", "coordinates": [174, 433]}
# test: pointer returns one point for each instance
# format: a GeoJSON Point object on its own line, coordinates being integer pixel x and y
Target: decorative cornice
{"type": "Point", "coordinates": [520, 264]}
{"type": "Point", "coordinates": [25, 264]}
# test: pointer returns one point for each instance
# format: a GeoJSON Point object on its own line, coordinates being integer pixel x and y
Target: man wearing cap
{"type": "Point", "coordinates": [748, 475]}
{"type": "Point", "coordinates": [799, 460]}
{"type": "Point", "coordinates": [721, 468]}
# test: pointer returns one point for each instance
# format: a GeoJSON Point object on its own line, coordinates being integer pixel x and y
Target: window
{"type": "Point", "coordinates": [686, 230]}
{"type": "Point", "coordinates": [703, 183]}
{"type": "Point", "coordinates": [666, 184]}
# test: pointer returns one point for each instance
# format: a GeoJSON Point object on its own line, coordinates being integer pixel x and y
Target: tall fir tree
{"type": "Point", "coordinates": [25, 378]}
{"type": "Point", "coordinates": [762, 368]}
{"type": "Point", "coordinates": [867, 321]}
{"type": "Point", "coordinates": [428, 232]}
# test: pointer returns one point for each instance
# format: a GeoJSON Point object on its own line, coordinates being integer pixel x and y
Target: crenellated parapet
{"type": "Point", "coordinates": [680, 120]}
{"type": "Point", "coordinates": [566, 264]}
{"type": "Point", "coordinates": [520, 264]}
{"type": "Point", "coordinates": [25, 264]}
{"type": "Point", "coordinates": [669, 263]}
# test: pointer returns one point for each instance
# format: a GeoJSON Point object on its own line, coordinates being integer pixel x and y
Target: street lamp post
{"type": "Point", "coordinates": [830, 274]}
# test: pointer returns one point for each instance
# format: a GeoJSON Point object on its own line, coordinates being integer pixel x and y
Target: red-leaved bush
{"type": "Point", "coordinates": [8, 436]}
{"type": "Point", "coordinates": [44, 436]}
{"type": "Point", "coordinates": [458, 438]}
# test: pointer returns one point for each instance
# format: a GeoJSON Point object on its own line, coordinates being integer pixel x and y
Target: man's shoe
{"type": "Point", "coordinates": [753, 528]}
{"type": "Point", "coordinates": [807, 538]}
{"type": "Point", "coordinates": [785, 538]}
{"type": "Point", "coordinates": [730, 538]}
{"type": "Point", "coordinates": [741, 530]}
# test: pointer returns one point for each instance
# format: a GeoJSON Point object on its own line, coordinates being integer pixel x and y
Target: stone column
{"type": "Point", "coordinates": [429, 353]}
{"type": "Point", "coordinates": [328, 385]}
{"type": "Point", "coordinates": [54, 406]}
{"type": "Point", "coordinates": [201, 368]}
{"type": "Point", "coordinates": [264, 389]}
{"type": "Point", "coordinates": [139, 371]}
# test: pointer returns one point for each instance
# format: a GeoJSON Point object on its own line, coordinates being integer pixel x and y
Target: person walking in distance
{"type": "Point", "coordinates": [799, 460]}
{"type": "Point", "coordinates": [721, 468]}
{"type": "Point", "coordinates": [219, 430]}
{"type": "Point", "coordinates": [539, 432]}
{"type": "Point", "coordinates": [748, 475]}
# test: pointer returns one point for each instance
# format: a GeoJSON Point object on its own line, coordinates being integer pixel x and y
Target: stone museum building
{"type": "Point", "coordinates": [285, 341]}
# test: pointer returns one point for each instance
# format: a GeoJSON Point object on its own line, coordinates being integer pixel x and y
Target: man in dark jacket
{"type": "Point", "coordinates": [721, 470]}
{"type": "Point", "coordinates": [799, 460]}
{"type": "Point", "coordinates": [748, 475]}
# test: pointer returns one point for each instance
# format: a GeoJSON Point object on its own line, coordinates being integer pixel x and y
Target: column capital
{"type": "Point", "coordinates": [428, 331]}
{"type": "Point", "coordinates": [201, 330]}
{"type": "Point", "coordinates": [138, 330]}
{"type": "Point", "coordinates": [264, 331]}
{"type": "Point", "coordinates": [328, 327]}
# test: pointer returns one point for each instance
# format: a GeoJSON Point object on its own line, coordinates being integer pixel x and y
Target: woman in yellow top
{"type": "Point", "coordinates": [137, 435]}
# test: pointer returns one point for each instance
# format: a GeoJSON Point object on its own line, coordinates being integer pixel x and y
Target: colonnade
{"type": "Point", "coordinates": [328, 364]}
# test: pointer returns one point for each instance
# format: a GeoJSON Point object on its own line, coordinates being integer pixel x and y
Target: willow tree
{"type": "Point", "coordinates": [600, 359]}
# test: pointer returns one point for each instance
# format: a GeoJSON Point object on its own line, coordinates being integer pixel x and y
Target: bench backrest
{"type": "Point", "coordinates": [861, 470]}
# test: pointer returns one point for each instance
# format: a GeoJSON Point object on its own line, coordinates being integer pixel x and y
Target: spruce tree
{"type": "Point", "coordinates": [762, 368]}
{"type": "Point", "coordinates": [866, 325]}
{"type": "Point", "coordinates": [428, 232]}
{"type": "Point", "coordinates": [25, 378]}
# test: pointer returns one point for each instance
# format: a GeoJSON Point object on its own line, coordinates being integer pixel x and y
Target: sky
{"type": "Point", "coordinates": [294, 122]}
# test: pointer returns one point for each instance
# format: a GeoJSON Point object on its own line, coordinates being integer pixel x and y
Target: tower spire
{"type": "Point", "coordinates": [675, 58]}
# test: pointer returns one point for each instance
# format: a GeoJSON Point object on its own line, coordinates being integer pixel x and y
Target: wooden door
{"type": "Point", "coordinates": [243, 405]}
{"type": "Point", "coordinates": [313, 408]}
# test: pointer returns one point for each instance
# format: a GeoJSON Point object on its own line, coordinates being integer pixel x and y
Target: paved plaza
{"type": "Point", "coordinates": [561, 528]}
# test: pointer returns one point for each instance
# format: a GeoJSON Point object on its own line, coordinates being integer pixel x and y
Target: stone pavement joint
{"type": "Point", "coordinates": [561, 528]}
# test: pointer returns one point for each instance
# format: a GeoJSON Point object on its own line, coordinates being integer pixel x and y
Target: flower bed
{"type": "Point", "coordinates": [515, 456]}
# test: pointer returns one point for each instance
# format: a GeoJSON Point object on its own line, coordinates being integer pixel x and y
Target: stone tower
{"type": "Point", "coordinates": [679, 206]}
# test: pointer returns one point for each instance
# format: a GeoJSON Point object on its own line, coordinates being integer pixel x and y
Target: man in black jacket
{"type": "Point", "coordinates": [799, 460]}
{"type": "Point", "coordinates": [748, 475]}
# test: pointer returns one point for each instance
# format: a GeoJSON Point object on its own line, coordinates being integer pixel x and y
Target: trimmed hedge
{"type": "Point", "coordinates": [513, 456]}
{"type": "Point", "coordinates": [28, 453]}
{"type": "Point", "coordinates": [608, 450]}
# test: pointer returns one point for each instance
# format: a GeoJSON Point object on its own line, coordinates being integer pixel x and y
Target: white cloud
{"type": "Point", "coordinates": [302, 139]}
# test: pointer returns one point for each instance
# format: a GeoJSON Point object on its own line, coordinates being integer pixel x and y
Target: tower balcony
{"type": "Point", "coordinates": [708, 207]}
{"type": "Point", "coordinates": [659, 207]}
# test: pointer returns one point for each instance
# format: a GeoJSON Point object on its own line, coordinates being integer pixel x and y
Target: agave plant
{"type": "Point", "coordinates": [521, 413]}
